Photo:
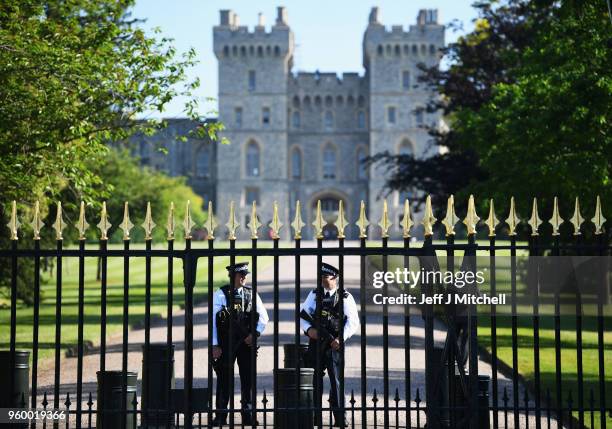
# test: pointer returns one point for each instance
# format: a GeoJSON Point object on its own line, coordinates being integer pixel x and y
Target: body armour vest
{"type": "Point", "coordinates": [241, 314]}
{"type": "Point", "coordinates": [330, 312]}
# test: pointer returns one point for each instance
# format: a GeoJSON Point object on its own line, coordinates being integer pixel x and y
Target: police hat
{"type": "Point", "coordinates": [239, 268]}
{"type": "Point", "coordinates": [329, 270]}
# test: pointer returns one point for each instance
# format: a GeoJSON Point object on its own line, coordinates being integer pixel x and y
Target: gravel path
{"type": "Point", "coordinates": [373, 364]}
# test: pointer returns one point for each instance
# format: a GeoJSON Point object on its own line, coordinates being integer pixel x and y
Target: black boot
{"type": "Point", "coordinates": [218, 421]}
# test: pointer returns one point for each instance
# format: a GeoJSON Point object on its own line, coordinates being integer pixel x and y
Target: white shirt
{"type": "Point", "coordinates": [219, 302]}
{"type": "Point", "coordinates": [350, 312]}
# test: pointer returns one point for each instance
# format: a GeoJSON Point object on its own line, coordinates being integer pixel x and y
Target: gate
{"type": "Point", "coordinates": [406, 366]}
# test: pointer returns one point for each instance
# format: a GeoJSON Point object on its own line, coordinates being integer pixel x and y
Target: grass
{"type": "Point", "coordinates": [92, 299]}
{"type": "Point", "coordinates": [525, 339]}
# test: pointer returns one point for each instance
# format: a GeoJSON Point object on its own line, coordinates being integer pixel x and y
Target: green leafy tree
{"type": "Point", "coordinates": [527, 98]}
{"type": "Point", "coordinates": [75, 75]}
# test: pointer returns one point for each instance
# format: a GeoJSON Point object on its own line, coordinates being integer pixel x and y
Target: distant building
{"type": "Point", "coordinates": [301, 136]}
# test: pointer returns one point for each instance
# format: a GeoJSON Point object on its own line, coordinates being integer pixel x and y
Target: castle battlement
{"type": "Point", "coordinates": [327, 82]}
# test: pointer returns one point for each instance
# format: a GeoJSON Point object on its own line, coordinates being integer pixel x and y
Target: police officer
{"type": "Point", "coordinates": [327, 335]}
{"type": "Point", "coordinates": [240, 341]}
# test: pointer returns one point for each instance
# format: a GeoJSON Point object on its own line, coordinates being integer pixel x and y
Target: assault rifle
{"type": "Point", "coordinates": [223, 320]}
{"type": "Point", "coordinates": [323, 333]}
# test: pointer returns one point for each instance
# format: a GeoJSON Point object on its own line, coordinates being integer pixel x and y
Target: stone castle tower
{"type": "Point", "coordinates": [301, 136]}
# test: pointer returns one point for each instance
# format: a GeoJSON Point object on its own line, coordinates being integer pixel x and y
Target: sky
{"type": "Point", "coordinates": [328, 34]}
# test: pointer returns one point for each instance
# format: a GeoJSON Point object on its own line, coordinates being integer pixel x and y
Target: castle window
{"type": "Point", "coordinates": [380, 50]}
{"type": "Point", "coordinates": [296, 102]}
{"type": "Point", "coordinates": [397, 50]}
{"type": "Point", "coordinates": [362, 171]}
{"type": "Point", "coordinates": [328, 119]}
{"type": "Point", "coordinates": [391, 115]}
{"type": "Point", "coordinates": [268, 50]}
{"type": "Point", "coordinates": [243, 51]}
{"type": "Point", "coordinates": [296, 164]}
{"type": "Point", "coordinates": [350, 100]}
{"type": "Point", "coordinates": [252, 50]}
{"type": "Point", "coordinates": [203, 163]}
{"type": "Point", "coordinates": [361, 122]}
{"type": "Point", "coordinates": [406, 79]}
{"type": "Point", "coordinates": [307, 101]}
{"type": "Point", "coordinates": [419, 116]}
{"type": "Point", "coordinates": [259, 51]}
{"type": "Point", "coordinates": [329, 101]}
{"type": "Point", "coordinates": [265, 116]}
{"type": "Point", "coordinates": [329, 162]}
{"type": "Point", "coordinates": [339, 100]}
{"type": "Point", "coordinates": [238, 117]}
{"type": "Point", "coordinates": [252, 159]}
{"type": "Point", "coordinates": [406, 50]}
{"type": "Point", "coordinates": [234, 50]}
{"type": "Point", "coordinates": [252, 80]}
{"type": "Point", "coordinates": [388, 49]}
{"type": "Point", "coordinates": [251, 195]}
{"type": "Point", "coordinates": [415, 49]}
{"type": "Point", "coordinates": [277, 51]}
{"type": "Point", "coordinates": [423, 49]}
{"type": "Point", "coordinates": [361, 101]}
{"type": "Point", "coordinates": [296, 120]}
{"type": "Point", "coordinates": [432, 49]}
{"type": "Point", "coordinates": [226, 51]}
{"type": "Point", "coordinates": [317, 101]}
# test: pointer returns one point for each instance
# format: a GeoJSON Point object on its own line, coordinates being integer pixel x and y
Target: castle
{"type": "Point", "coordinates": [302, 136]}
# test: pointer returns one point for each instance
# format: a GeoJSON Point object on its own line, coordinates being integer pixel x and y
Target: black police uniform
{"type": "Point", "coordinates": [244, 304]}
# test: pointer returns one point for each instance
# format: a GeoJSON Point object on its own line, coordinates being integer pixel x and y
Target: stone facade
{"type": "Point", "coordinates": [300, 136]}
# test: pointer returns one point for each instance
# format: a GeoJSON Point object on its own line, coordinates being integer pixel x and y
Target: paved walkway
{"type": "Point", "coordinates": [374, 356]}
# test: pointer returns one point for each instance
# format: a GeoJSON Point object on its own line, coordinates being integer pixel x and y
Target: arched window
{"type": "Point", "coordinates": [329, 162]}
{"type": "Point", "coordinates": [432, 49]}
{"type": "Point", "coordinates": [203, 163]}
{"type": "Point", "coordinates": [398, 50]}
{"type": "Point", "coordinates": [260, 51]}
{"type": "Point", "coordinates": [419, 115]}
{"type": "Point", "coordinates": [276, 51]}
{"type": "Point", "coordinates": [296, 164]}
{"type": "Point", "coordinates": [252, 159]}
{"type": "Point", "coordinates": [296, 119]}
{"type": "Point", "coordinates": [329, 101]}
{"type": "Point", "coordinates": [380, 50]}
{"type": "Point", "coordinates": [226, 51]}
{"type": "Point", "coordinates": [361, 121]}
{"type": "Point", "coordinates": [328, 119]}
{"type": "Point", "coordinates": [234, 50]}
{"type": "Point", "coordinates": [362, 171]}
{"type": "Point", "coordinates": [296, 102]}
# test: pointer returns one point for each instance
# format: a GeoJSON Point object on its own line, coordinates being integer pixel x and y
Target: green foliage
{"type": "Point", "coordinates": [528, 99]}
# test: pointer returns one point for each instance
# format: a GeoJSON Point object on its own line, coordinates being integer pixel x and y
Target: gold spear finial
{"type": "Point", "coordinates": [232, 224]}
{"type": "Point", "coordinates": [577, 219]}
{"type": "Point", "coordinates": [211, 222]}
{"type": "Point", "coordinates": [171, 223]}
{"type": "Point", "coordinates": [254, 223]}
{"type": "Point", "coordinates": [82, 225]}
{"type": "Point", "coordinates": [492, 220]}
{"type": "Point", "coordinates": [276, 224]}
{"type": "Point", "coordinates": [471, 218]}
{"type": "Point", "coordinates": [104, 225]}
{"type": "Point", "coordinates": [362, 223]}
{"type": "Point", "coordinates": [428, 220]}
{"type": "Point", "coordinates": [556, 219]}
{"type": "Point", "coordinates": [14, 222]}
{"type": "Point", "coordinates": [59, 224]}
{"type": "Point", "coordinates": [36, 223]}
{"type": "Point", "coordinates": [188, 223]}
{"type": "Point", "coordinates": [535, 221]}
{"type": "Point", "coordinates": [342, 222]}
{"type": "Point", "coordinates": [318, 223]}
{"type": "Point", "coordinates": [148, 223]}
{"type": "Point", "coordinates": [126, 223]}
{"type": "Point", "coordinates": [451, 219]}
{"type": "Point", "coordinates": [406, 220]}
{"type": "Point", "coordinates": [513, 219]}
{"type": "Point", "coordinates": [297, 223]}
{"type": "Point", "coordinates": [385, 223]}
{"type": "Point", "coordinates": [598, 219]}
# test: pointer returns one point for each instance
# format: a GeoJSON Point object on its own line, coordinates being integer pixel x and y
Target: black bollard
{"type": "Point", "coordinates": [440, 388]}
{"type": "Point", "coordinates": [16, 392]}
{"type": "Point", "coordinates": [483, 401]}
{"type": "Point", "coordinates": [157, 382]}
{"type": "Point", "coordinates": [110, 400]}
{"type": "Point", "coordinates": [291, 357]}
{"type": "Point", "coordinates": [290, 397]}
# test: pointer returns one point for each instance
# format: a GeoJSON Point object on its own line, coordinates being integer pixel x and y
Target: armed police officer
{"type": "Point", "coordinates": [237, 347]}
{"type": "Point", "coordinates": [324, 337]}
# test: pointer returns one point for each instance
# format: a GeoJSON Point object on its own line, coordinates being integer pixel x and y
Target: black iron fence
{"type": "Point", "coordinates": [395, 371]}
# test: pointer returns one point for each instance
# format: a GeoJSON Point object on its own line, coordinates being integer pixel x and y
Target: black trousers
{"type": "Point", "coordinates": [224, 381]}
{"type": "Point", "coordinates": [330, 362]}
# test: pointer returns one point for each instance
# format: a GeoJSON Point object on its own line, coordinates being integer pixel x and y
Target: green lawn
{"type": "Point", "coordinates": [92, 298]}
{"type": "Point", "coordinates": [525, 337]}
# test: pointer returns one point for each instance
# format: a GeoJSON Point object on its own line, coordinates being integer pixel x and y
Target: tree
{"type": "Point", "coordinates": [527, 99]}
{"type": "Point", "coordinates": [75, 75]}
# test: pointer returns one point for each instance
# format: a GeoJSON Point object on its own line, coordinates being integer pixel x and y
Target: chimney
{"type": "Point", "coordinates": [228, 18]}
{"type": "Point", "coordinates": [281, 16]}
{"type": "Point", "coordinates": [261, 20]}
{"type": "Point", "coordinates": [373, 19]}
